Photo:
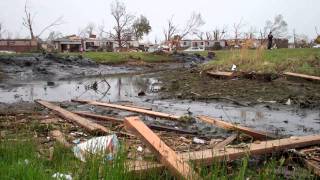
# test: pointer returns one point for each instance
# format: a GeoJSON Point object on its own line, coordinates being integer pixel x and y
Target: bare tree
{"type": "Point", "coordinates": [54, 35]}
{"type": "Point", "coordinates": [278, 27]}
{"type": "Point", "coordinates": [2, 30]}
{"type": "Point", "coordinates": [219, 33]}
{"type": "Point", "coordinates": [193, 24]}
{"type": "Point", "coordinates": [28, 22]}
{"type": "Point", "coordinates": [316, 29]}
{"type": "Point", "coordinates": [87, 31]}
{"type": "Point", "coordinates": [123, 23]}
{"type": "Point", "coordinates": [170, 30]}
{"type": "Point", "coordinates": [237, 30]}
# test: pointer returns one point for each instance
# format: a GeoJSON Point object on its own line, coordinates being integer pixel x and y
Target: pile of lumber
{"type": "Point", "coordinates": [178, 163]}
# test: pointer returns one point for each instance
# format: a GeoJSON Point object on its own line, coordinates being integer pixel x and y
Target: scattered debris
{"type": "Point", "coordinates": [105, 145]}
{"type": "Point", "coordinates": [139, 149]}
{"type": "Point", "coordinates": [288, 102]}
{"type": "Point", "coordinates": [206, 157]}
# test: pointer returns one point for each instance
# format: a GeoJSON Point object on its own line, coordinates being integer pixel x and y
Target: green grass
{"type": "Point", "coordinates": [305, 61]}
{"type": "Point", "coordinates": [123, 57]}
{"type": "Point", "coordinates": [24, 160]}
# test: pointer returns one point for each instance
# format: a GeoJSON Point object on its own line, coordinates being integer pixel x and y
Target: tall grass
{"type": "Point", "coordinates": [269, 61]}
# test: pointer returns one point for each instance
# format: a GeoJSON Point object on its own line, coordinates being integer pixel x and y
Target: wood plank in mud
{"type": "Point", "coordinates": [165, 154]}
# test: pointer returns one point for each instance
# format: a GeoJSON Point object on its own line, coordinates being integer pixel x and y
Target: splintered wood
{"type": "Point", "coordinates": [165, 154]}
{"type": "Point", "coordinates": [229, 126]}
{"type": "Point", "coordinates": [142, 111]}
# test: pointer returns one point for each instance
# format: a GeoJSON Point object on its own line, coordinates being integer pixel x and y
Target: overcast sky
{"type": "Point", "coordinates": [302, 15]}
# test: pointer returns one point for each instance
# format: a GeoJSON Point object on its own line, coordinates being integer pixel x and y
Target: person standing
{"type": "Point", "coordinates": [270, 38]}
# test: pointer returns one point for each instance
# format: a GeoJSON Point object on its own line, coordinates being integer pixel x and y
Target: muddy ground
{"type": "Point", "coordinates": [197, 85]}
{"type": "Point", "coordinates": [49, 67]}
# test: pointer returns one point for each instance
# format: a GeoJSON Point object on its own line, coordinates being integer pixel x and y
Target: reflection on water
{"type": "Point", "coordinates": [107, 89]}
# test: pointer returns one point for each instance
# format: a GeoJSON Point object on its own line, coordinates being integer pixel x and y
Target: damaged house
{"type": "Point", "coordinates": [75, 43]}
{"type": "Point", "coordinates": [19, 45]}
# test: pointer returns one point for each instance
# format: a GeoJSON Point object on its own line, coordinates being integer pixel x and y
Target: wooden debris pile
{"type": "Point", "coordinates": [172, 148]}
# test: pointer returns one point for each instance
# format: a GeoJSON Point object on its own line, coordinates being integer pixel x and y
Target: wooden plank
{"type": "Point", "coordinates": [304, 76]}
{"type": "Point", "coordinates": [139, 107]}
{"type": "Point", "coordinates": [207, 157]}
{"type": "Point", "coordinates": [85, 123]}
{"type": "Point", "coordinates": [142, 111]}
{"type": "Point", "coordinates": [225, 142]}
{"type": "Point", "coordinates": [119, 121]}
{"type": "Point", "coordinates": [229, 126]}
{"type": "Point", "coordinates": [164, 153]}
{"type": "Point", "coordinates": [221, 74]}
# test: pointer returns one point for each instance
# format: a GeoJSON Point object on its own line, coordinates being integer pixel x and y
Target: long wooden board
{"type": "Point", "coordinates": [164, 153]}
{"type": "Point", "coordinates": [85, 123]}
{"type": "Point", "coordinates": [304, 76]}
{"type": "Point", "coordinates": [221, 74]}
{"type": "Point", "coordinates": [142, 111]}
{"type": "Point", "coordinates": [119, 121]}
{"type": "Point", "coordinates": [229, 126]}
{"type": "Point", "coordinates": [207, 157]}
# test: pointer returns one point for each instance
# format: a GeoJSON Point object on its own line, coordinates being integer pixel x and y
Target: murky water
{"type": "Point", "coordinates": [114, 88]}
{"type": "Point", "coordinates": [283, 120]}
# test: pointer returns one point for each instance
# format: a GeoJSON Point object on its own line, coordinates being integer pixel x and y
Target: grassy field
{"type": "Point", "coordinates": [123, 57]}
{"type": "Point", "coordinates": [305, 61]}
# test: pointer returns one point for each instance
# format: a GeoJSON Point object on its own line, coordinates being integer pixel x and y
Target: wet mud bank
{"type": "Point", "coordinates": [48, 67]}
{"type": "Point", "coordinates": [196, 85]}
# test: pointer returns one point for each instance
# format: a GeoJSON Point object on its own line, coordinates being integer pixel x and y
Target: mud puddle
{"type": "Point", "coordinates": [112, 88]}
{"type": "Point", "coordinates": [283, 120]}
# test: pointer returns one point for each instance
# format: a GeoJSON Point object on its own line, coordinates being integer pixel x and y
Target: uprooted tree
{"type": "Point", "coordinates": [122, 29]}
{"type": "Point", "coordinates": [28, 22]}
{"type": "Point", "coordinates": [140, 27]}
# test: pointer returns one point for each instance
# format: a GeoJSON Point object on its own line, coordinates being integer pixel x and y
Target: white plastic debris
{"type": "Point", "coordinates": [234, 67]}
{"type": "Point", "coordinates": [76, 141]}
{"type": "Point", "coordinates": [105, 145]}
{"type": "Point", "coordinates": [139, 149]}
{"type": "Point", "coordinates": [198, 141]}
{"type": "Point", "coordinates": [62, 176]}
{"type": "Point", "coordinates": [288, 102]}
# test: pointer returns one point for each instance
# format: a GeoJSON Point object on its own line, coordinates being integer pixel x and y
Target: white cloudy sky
{"type": "Point", "coordinates": [302, 15]}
